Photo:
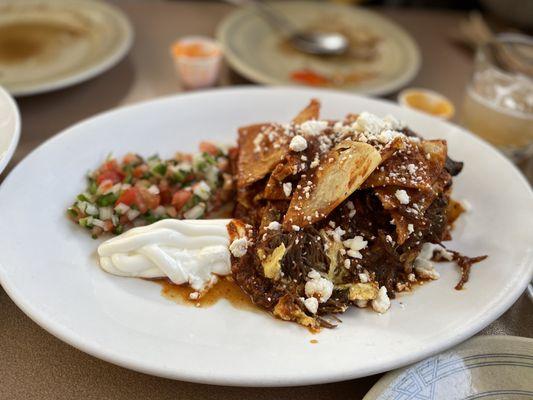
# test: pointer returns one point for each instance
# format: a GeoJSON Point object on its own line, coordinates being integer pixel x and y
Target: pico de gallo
{"type": "Point", "coordinates": [138, 191]}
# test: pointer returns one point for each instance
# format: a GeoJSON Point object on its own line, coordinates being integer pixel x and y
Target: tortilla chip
{"type": "Point", "coordinates": [428, 157]}
{"type": "Point", "coordinates": [272, 262]}
{"type": "Point", "coordinates": [254, 165]}
{"type": "Point", "coordinates": [312, 111]}
{"type": "Point", "coordinates": [343, 170]}
{"type": "Point", "coordinates": [236, 229]}
{"type": "Point", "coordinates": [363, 291]}
{"type": "Point", "coordinates": [413, 212]}
{"type": "Point", "coordinates": [437, 150]}
{"type": "Point", "coordinates": [272, 211]}
{"type": "Point", "coordinates": [288, 310]}
{"type": "Point", "coordinates": [274, 190]}
{"type": "Point", "coordinates": [391, 148]}
{"type": "Point", "coordinates": [454, 210]}
{"type": "Point", "coordinates": [350, 118]}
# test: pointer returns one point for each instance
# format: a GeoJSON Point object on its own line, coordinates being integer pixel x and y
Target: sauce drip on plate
{"type": "Point", "coordinates": [224, 289]}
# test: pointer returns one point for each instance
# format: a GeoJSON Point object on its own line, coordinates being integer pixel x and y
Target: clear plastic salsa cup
{"type": "Point", "coordinates": [197, 60]}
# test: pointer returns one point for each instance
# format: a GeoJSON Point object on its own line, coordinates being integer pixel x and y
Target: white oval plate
{"type": "Point", "coordinates": [48, 265]}
{"type": "Point", "coordinates": [9, 127]}
{"type": "Point", "coordinates": [51, 44]}
{"type": "Point", "coordinates": [254, 49]}
{"type": "Point", "coordinates": [493, 367]}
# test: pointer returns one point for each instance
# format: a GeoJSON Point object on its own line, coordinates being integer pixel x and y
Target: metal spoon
{"type": "Point", "coordinates": [312, 42]}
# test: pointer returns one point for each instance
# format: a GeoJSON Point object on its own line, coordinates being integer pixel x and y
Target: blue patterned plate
{"type": "Point", "coordinates": [485, 367]}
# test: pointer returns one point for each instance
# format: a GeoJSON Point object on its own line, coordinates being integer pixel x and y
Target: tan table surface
{"type": "Point", "coordinates": [36, 365]}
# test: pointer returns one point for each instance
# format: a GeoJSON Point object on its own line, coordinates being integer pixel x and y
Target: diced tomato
{"type": "Point", "coordinates": [130, 158]}
{"type": "Point", "coordinates": [183, 157]}
{"type": "Point", "coordinates": [108, 225]}
{"type": "Point", "coordinates": [105, 185]}
{"type": "Point", "coordinates": [110, 170]}
{"type": "Point", "coordinates": [140, 170]}
{"type": "Point", "coordinates": [113, 176]}
{"type": "Point", "coordinates": [111, 165]}
{"type": "Point", "coordinates": [166, 196]}
{"type": "Point", "coordinates": [208, 147]}
{"type": "Point", "coordinates": [180, 198]}
{"type": "Point", "coordinates": [163, 185]}
{"type": "Point", "coordinates": [128, 197]}
{"type": "Point", "coordinates": [151, 201]}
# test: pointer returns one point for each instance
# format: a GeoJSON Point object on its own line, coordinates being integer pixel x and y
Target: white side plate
{"type": "Point", "coordinates": [52, 44]}
{"type": "Point", "coordinates": [9, 127]}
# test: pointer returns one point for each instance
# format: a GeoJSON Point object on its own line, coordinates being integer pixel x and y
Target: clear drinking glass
{"type": "Point", "coordinates": [498, 104]}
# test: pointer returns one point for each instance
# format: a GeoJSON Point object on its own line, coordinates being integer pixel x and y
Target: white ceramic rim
{"type": "Point", "coordinates": [15, 136]}
{"type": "Point", "coordinates": [105, 64]}
{"type": "Point", "coordinates": [78, 341]}
{"type": "Point", "coordinates": [263, 78]}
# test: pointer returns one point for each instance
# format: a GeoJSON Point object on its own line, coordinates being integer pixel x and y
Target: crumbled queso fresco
{"type": "Point", "coordinates": [402, 196]}
{"type": "Point", "coordinates": [274, 226]}
{"type": "Point", "coordinates": [287, 188]}
{"type": "Point", "coordinates": [298, 143]}
{"type": "Point", "coordinates": [381, 303]}
{"type": "Point", "coordinates": [355, 245]}
{"type": "Point", "coordinates": [367, 128]}
{"type": "Point", "coordinates": [314, 127]}
{"type": "Point", "coordinates": [318, 287]}
{"type": "Point", "coordinates": [311, 304]}
{"type": "Point", "coordinates": [424, 267]}
{"type": "Point", "coordinates": [239, 247]}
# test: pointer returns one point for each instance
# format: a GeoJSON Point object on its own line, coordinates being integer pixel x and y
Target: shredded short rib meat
{"type": "Point", "coordinates": [320, 241]}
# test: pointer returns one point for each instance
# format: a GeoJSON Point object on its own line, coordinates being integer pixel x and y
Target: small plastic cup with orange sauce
{"type": "Point", "coordinates": [197, 60]}
{"type": "Point", "coordinates": [427, 101]}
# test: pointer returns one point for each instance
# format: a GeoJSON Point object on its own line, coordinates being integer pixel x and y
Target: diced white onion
{"type": "Point", "coordinates": [202, 190]}
{"type": "Point", "coordinates": [196, 212]}
{"type": "Point", "coordinates": [117, 187]}
{"type": "Point", "coordinates": [105, 213]}
{"type": "Point", "coordinates": [153, 189]}
{"type": "Point", "coordinates": [212, 175]}
{"type": "Point", "coordinates": [159, 211]}
{"type": "Point", "coordinates": [91, 209]}
{"type": "Point", "coordinates": [122, 208]}
{"type": "Point", "coordinates": [132, 214]}
{"type": "Point", "coordinates": [183, 167]}
{"type": "Point", "coordinates": [98, 222]}
{"type": "Point", "coordinates": [82, 205]}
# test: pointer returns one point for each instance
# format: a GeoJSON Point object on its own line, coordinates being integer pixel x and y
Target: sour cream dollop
{"type": "Point", "coordinates": [185, 251]}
